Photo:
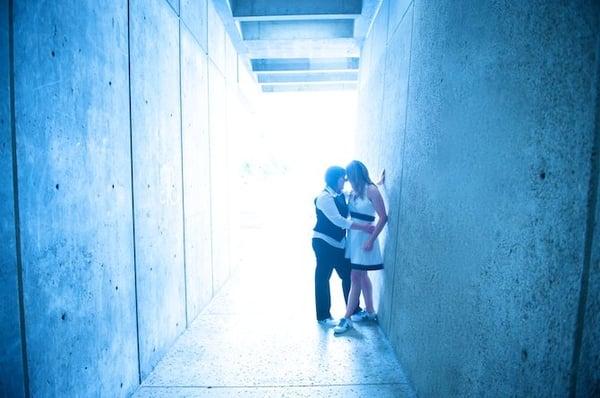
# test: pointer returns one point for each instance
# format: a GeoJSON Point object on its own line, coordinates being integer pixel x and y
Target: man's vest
{"type": "Point", "coordinates": [328, 228]}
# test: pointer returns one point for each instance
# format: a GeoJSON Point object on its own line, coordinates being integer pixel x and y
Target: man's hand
{"type": "Point", "coordinates": [368, 245]}
{"type": "Point", "coordinates": [368, 228]}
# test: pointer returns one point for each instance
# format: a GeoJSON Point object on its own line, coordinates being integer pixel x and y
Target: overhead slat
{"type": "Point", "coordinates": [265, 10]}
{"type": "Point", "coordinates": [272, 88]}
{"type": "Point", "coordinates": [292, 30]}
{"type": "Point", "coordinates": [347, 76]}
{"type": "Point", "coordinates": [284, 65]}
{"type": "Point", "coordinates": [302, 48]}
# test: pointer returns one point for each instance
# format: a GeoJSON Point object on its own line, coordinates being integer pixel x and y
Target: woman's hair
{"type": "Point", "coordinates": [358, 176]}
{"type": "Point", "coordinates": [333, 174]}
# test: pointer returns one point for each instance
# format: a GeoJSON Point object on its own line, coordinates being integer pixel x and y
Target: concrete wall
{"type": "Point", "coordinates": [74, 185]}
{"type": "Point", "coordinates": [115, 148]}
{"type": "Point", "coordinates": [484, 115]}
{"type": "Point", "coordinates": [11, 359]}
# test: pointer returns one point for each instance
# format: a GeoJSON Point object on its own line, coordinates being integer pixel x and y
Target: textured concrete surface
{"type": "Point", "coordinates": [216, 38]}
{"type": "Point", "coordinates": [354, 391]}
{"type": "Point", "coordinates": [174, 5]}
{"type": "Point", "coordinates": [11, 358]}
{"type": "Point", "coordinates": [487, 189]}
{"type": "Point", "coordinates": [219, 175]}
{"type": "Point", "coordinates": [87, 300]}
{"type": "Point", "coordinates": [258, 337]}
{"type": "Point", "coordinates": [196, 174]}
{"type": "Point", "coordinates": [588, 370]}
{"type": "Point", "coordinates": [194, 15]}
{"type": "Point", "coordinates": [72, 132]}
{"type": "Point", "coordinates": [156, 139]}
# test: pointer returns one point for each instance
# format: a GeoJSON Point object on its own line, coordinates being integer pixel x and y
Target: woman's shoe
{"type": "Point", "coordinates": [371, 316]}
{"type": "Point", "coordinates": [364, 316]}
{"type": "Point", "coordinates": [343, 326]}
{"type": "Point", "coordinates": [359, 316]}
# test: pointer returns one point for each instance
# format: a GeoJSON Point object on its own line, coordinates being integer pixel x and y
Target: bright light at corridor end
{"type": "Point", "coordinates": [298, 135]}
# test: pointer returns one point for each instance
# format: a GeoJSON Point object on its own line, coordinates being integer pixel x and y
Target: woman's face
{"type": "Point", "coordinates": [353, 184]}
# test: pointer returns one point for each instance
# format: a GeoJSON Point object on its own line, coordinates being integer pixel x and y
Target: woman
{"type": "Point", "coordinates": [362, 248]}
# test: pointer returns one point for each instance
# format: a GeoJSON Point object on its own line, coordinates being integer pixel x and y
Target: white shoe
{"type": "Point", "coordinates": [327, 322]}
{"type": "Point", "coordinates": [363, 316]}
{"type": "Point", "coordinates": [343, 326]}
{"type": "Point", "coordinates": [359, 316]}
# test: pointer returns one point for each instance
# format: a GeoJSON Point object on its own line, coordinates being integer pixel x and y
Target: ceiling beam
{"type": "Point", "coordinates": [291, 30]}
{"type": "Point", "coordinates": [283, 78]}
{"type": "Point", "coordinates": [272, 88]}
{"type": "Point", "coordinates": [293, 65]}
{"type": "Point", "coordinates": [303, 48]}
{"type": "Point", "coordinates": [257, 10]}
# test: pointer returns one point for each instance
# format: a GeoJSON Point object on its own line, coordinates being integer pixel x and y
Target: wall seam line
{"type": "Point", "coordinates": [401, 19]}
{"type": "Point", "coordinates": [399, 203]}
{"type": "Point", "coordinates": [592, 198]}
{"type": "Point", "coordinates": [381, 107]}
{"type": "Point", "coordinates": [17, 217]}
{"type": "Point", "coordinates": [137, 321]}
{"type": "Point", "coordinates": [182, 185]}
{"type": "Point", "coordinates": [187, 27]}
{"type": "Point", "coordinates": [208, 132]}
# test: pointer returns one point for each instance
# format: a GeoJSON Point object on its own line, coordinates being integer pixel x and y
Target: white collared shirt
{"type": "Point", "coordinates": [326, 203]}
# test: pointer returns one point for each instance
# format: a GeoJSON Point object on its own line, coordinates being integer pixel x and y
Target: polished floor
{"type": "Point", "coordinates": [258, 337]}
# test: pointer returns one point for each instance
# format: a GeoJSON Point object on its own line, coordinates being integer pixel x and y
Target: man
{"type": "Point", "coordinates": [329, 239]}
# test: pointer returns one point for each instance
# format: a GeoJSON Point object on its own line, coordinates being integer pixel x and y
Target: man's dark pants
{"type": "Point", "coordinates": [328, 259]}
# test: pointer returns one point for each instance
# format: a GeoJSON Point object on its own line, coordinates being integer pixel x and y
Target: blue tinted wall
{"type": "Point", "coordinates": [485, 117]}
{"type": "Point", "coordinates": [119, 190]}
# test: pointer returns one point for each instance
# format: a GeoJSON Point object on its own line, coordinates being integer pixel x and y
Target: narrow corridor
{"type": "Point", "coordinates": [259, 338]}
{"type": "Point", "coordinates": [137, 136]}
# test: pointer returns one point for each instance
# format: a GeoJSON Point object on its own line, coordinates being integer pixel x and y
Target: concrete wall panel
{"type": "Point", "coordinates": [194, 14]}
{"type": "Point", "coordinates": [397, 12]}
{"type": "Point", "coordinates": [157, 168]}
{"type": "Point", "coordinates": [247, 81]}
{"type": "Point", "coordinates": [196, 174]}
{"type": "Point", "coordinates": [216, 38]}
{"type": "Point", "coordinates": [103, 295]}
{"type": "Point", "coordinates": [588, 380]}
{"type": "Point", "coordinates": [231, 64]}
{"type": "Point", "coordinates": [389, 131]}
{"type": "Point", "coordinates": [219, 175]}
{"type": "Point", "coordinates": [378, 34]}
{"type": "Point", "coordinates": [174, 5]}
{"type": "Point", "coordinates": [493, 195]}
{"type": "Point", "coordinates": [11, 363]}
{"type": "Point", "coordinates": [72, 128]}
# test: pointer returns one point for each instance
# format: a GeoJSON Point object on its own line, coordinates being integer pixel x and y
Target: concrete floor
{"type": "Point", "coordinates": [259, 338]}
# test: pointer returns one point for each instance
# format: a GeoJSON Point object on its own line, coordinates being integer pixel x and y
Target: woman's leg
{"type": "Point", "coordinates": [367, 291]}
{"type": "Point", "coordinates": [353, 297]}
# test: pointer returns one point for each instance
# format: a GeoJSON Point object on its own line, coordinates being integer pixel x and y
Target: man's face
{"type": "Point", "coordinates": [340, 184]}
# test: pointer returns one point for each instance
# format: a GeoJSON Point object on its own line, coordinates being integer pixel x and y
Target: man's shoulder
{"type": "Point", "coordinates": [322, 195]}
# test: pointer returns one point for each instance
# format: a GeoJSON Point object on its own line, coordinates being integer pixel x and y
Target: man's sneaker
{"type": "Point", "coordinates": [327, 322]}
{"type": "Point", "coordinates": [343, 326]}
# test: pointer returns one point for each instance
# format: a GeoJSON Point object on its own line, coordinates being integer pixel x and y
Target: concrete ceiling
{"type": "Point", "coordinates": [298, 45]}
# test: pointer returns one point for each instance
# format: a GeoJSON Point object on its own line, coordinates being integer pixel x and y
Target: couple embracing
{"type": "Point", "coordinates": [345, 239]}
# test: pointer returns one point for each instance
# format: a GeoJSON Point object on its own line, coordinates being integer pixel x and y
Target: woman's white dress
{"type": "Point", "coordinates": [362, 210]}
